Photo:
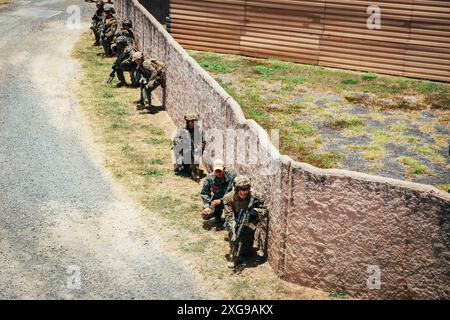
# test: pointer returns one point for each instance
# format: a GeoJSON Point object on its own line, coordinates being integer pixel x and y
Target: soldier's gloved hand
{"type": "Point", "coordinates": [233, 237]}
{"type": "Point", "coordinates": [253, 215]}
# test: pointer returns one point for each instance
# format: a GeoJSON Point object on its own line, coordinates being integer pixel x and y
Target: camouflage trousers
{"type": "Point", "coordinates": [247, 239]}
{"type": "Point", "coordinates": [146, 92]}
{"type": "Point", "coordinates": [132, 69]}
{"type": "Point", "coordinates": [106, 44]}
{"type": "Point", "coordinates": [97, 35]}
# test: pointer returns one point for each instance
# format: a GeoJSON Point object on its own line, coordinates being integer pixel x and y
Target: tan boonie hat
{"type": "Point", "coordinates": [218, 164]}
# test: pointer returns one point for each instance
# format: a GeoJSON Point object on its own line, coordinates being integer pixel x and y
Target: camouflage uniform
{"type": "Point", "coordinates": [97, 22]}
{"type": "Point", "coordinates": [125, 62]}
{"type": "Point", "coordinates": [127, 32]}
{"type": "Point", "coordinates": [188, 146]}
{"type": "Point", "coordinates": [152, 75]}
{"type": "Point", "coordinates": [255, 204]}
{"type": "Point", "coordinates": [215, 188]}
{"type": "Point", "coordinates": [109, 30]}
{"type": "Point", "coordinates": [124, 29]}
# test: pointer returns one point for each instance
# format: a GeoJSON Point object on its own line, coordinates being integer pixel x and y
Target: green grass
{"type": "Point", "coordinates": [214, 62]}
{"type": "Point", "coordinates": [251, 78]}
{"type": "Point", "coordinates": [117, 109]}
{"type": "Point", "coordinates": [349, 121]}
{"type": "Point", "coordinates": [338, 294]}
{"type": "Point", "coordinates": [368, 77]}
{"type": "Point", "coordinates": [119, 173]}
{"type": "Point", "coordinates": [414, 167]}
{"type": "Point", "coordinates": [444, 187]}
{"type": "Point", "coordinates": [119, 124]}
{"type": "Point", "coordinates": [158, 141]}
{"type": "Point", "coordinates": [156, 161]}
{"type": "Point", "coordinates": [374, 152]}
{"type": "Point", "coordinates": [425, 87]}
{"type": "Point", "coordinates": [151, 129]}
{"type": "Point", "coordinates": [153, 172]}
{"type": "Point", "coordinates": [127, 149]}
{"type": "Point", "coordinates": [349, 81]}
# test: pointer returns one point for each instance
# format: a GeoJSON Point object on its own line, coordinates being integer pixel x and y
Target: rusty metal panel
{"type": "Point", "coordinates": [414, 39]}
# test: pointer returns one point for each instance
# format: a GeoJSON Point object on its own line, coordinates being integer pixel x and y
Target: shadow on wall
{"type": "Point", "coordinates": [158, 8]}
{"type": "Point", "coordinates": [369, 236]}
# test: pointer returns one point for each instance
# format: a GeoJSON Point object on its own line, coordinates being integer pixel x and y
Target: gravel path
{"type": "Point", "coordinates": [59, 210]}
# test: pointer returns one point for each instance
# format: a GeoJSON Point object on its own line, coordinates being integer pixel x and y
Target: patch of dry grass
{"type": "Point", "coordinates": [265, 89]}
{"type": "Point", "coordinates": [136, 148]}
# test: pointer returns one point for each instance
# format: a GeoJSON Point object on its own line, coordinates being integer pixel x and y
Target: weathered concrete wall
{"type": "Point", "coordinates": [342, 222]}
{"type": "Point", "coordinates": [325, 226]}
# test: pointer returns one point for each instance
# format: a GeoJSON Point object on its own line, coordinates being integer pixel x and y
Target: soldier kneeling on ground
{"type": "Point", "coordinates": [153, 75]}
{"type": "Point", "coordinates": [243, 210]}
{"type": "Point", "coordinates": [126, 30]}
{"type": "Point", "coordinates": [108, 30]}
{"type": "Point", "coordinates": [215, 187]}
{"type": "Point", "coordinates": [188, 146]}
{"type": "Point", "coordinates": [97, 21]}
{"type": "Point", "coordinates": [124, 62]}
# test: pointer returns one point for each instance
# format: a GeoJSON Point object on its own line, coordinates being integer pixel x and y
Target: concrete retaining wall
{"type": "Point", "coordinates": [326, 227]}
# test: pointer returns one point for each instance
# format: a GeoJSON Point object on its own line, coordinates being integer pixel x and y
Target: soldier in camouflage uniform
{"type": "Point", "coordinates": [109, 29]}
{"type": "Point", "coordinates": [123, 30]}
{"type": "Point", "coordinates": [248, 200]}
{"type": "Point", "coordinates": [124, 62]}
{"type": "Point", "coordinates": [215, 187]}
{"type": "Point", "coordinates": [152, 75]}
{"type": "Point", "coordinates": [188, 146]}
{"type": "Point", "coordinates": [97, 21]}
{"type": "Point", "coordinates": [126, 30]}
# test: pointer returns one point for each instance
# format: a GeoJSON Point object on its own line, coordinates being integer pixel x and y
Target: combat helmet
{"type": "Point", "coordinates": [127, 23]}
{"type": "Point", "coordinates": [191, 116]}
{"type": "Point", "coordinates": [109, 8]}
{"type": "Point", "coordinates": [242, 181]}
{"type": "Point", "coordinates": [100, 3]}
{"type": "Point", "coordinates": [122, 41]}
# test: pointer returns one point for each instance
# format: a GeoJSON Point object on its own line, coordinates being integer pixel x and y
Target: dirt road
{"type": "Point", "coordinates": [60, 212]}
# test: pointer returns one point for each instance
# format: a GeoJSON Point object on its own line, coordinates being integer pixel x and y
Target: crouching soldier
{"type": "Point", "coordinates": [109, 29]}
{"type": "Point", "coordinates": [126, 30]}
{"type": "Point", "coordinates": [188, 146]}
{"type": "Point", "coordinates": [243, 210]}
{"type": "Point", "coordinates": [124, 62]}
{"type": "Point", "coordinates": [97, 22]}
{"type": "Point", "coordinates": [152, 75]}
{"type": "Point", "coordinates": [215, 187]}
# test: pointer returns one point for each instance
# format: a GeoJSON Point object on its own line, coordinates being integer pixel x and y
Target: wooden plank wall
{"type": "Point", "coordinates": [414, 39]}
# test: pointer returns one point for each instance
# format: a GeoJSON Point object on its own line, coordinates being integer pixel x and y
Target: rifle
{"type": "Point", "coordinates": [112, 74]}
{"type": "Point", "coordinates": [242, 221]}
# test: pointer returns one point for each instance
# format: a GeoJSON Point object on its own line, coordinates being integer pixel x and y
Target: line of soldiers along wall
{"type": "Point", "coordinates": [327, 229]}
